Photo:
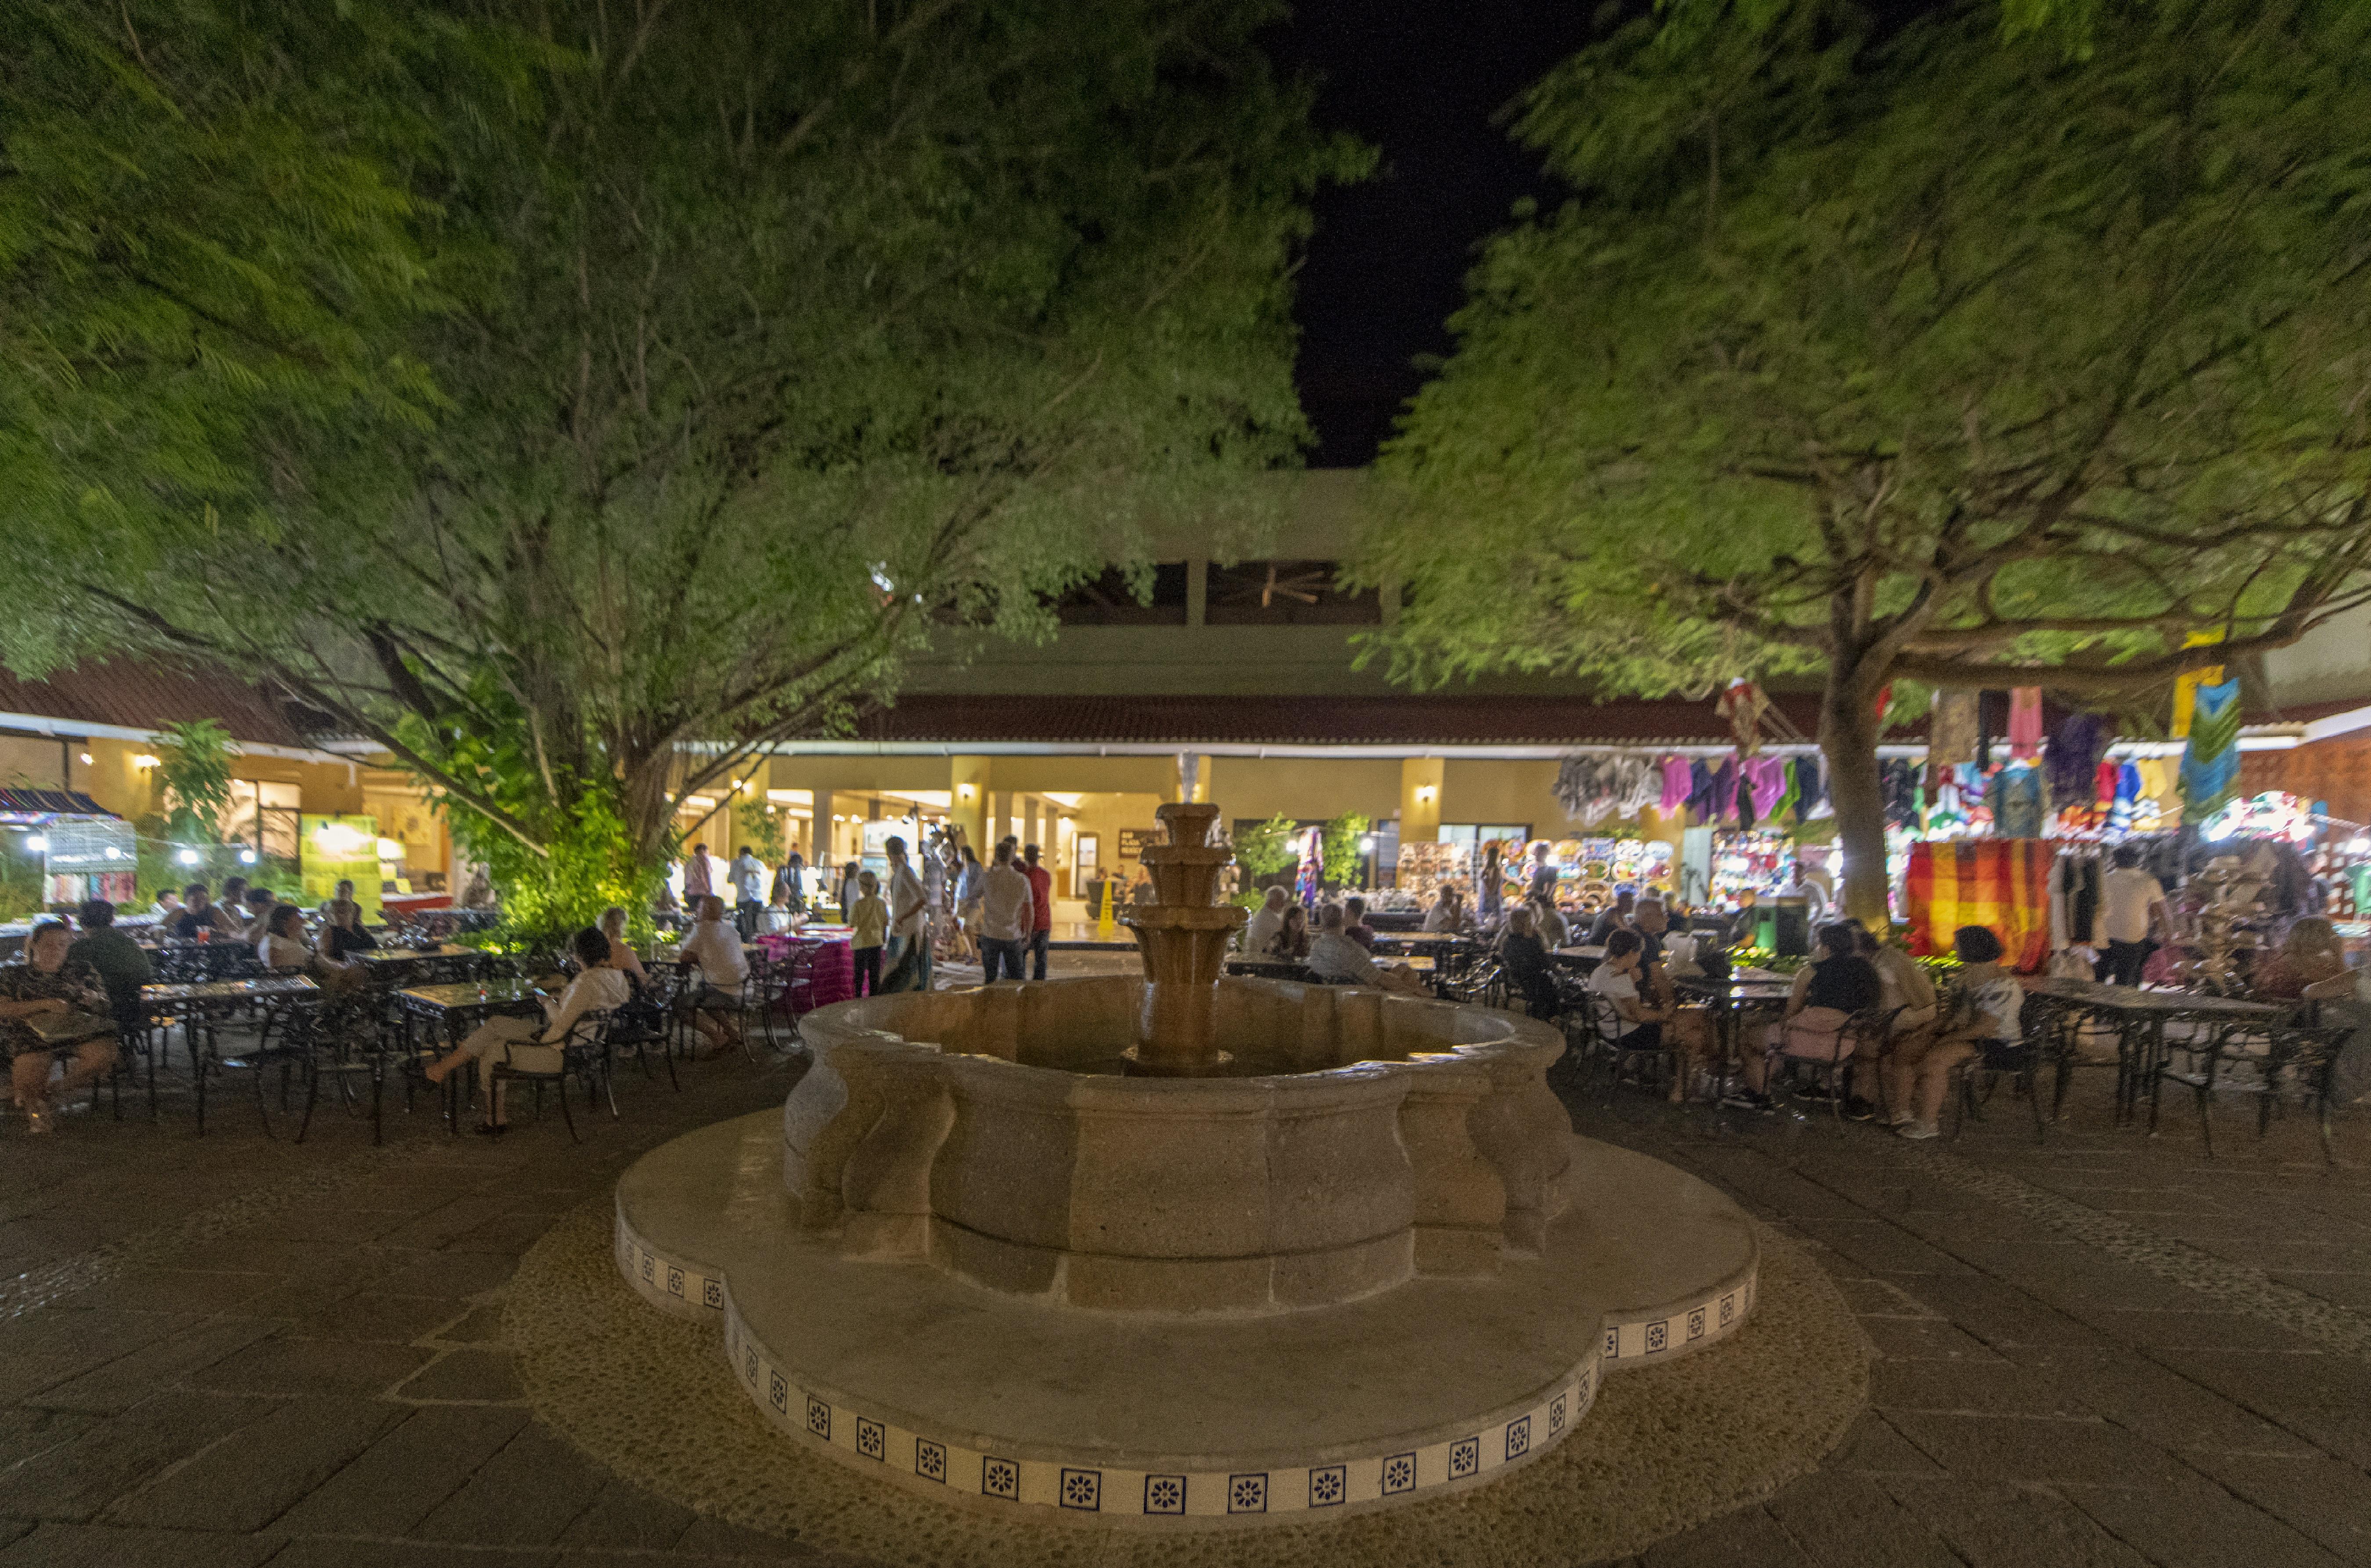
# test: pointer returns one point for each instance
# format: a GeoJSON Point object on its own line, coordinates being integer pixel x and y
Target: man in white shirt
{"type": "Point", "coordinates": [1266, 921]}
{"type": "Point", "coordinates": [750, 889]}
{"type": "Point", "coordinates": [698, 877]}
{"type": "Point", "coordinates": [2132, 908]}
{"type": "Point", "coordinates": [909, 918]}
{"type": "Point", "coordinates": [1334, 958]}
{"type": "Point", "coordinates": [714, 948]}
{"type": "Point", "coordinates": [1005, 915]}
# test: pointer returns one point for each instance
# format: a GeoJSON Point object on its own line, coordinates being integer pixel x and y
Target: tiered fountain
{"type": "Point", "coordinates": [1181, 1250]}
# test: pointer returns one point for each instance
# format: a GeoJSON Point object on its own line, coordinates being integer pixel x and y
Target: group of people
{"type": "Point", "coordinates": [1340, 950]}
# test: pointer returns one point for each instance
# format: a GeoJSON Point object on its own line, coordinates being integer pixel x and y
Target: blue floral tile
{"type": "Point", "coordinates": [1728, 1309]}
{"type": "Point", "coordinates": [711, 1294]}
{"type": "Point", "coordinates": [1555, 1414]}
{"type": "Point", "coordinates": [1000, 1478]}
{"type": "Point", "coordinates": [1464, 1458]}
{"type": "Point", "coordinates": [819, 1418]}
{"type": "Point", "coordinates": [778, 1393]}
{"type": "Point", "coordinates": [1164, 1495]}
{"type": "Point", "coordinates": [871, 1440]}
{"type": "Point", "coordinates": [1083, 1489]}
{"type": "Point", "coordinates": [1613, 1343]}
{"type": "Point", "coordinates": [749, 1366]}
{"type": "Point", "coordinates": [1247, 1493]}
{"type": "Point", "coordinates": [1399, 1473]}
{"type": "Point", "coordinates": [930, 1460]}
{"type": "Point", "coordinates": [1328, 1486]}
{"type": "Point", "coordinates": [1696, 1323]}
{"type": "Point", "coordinates": [1658, 1336]}
{"type": "Point", "coordinates": [1518, 1437]}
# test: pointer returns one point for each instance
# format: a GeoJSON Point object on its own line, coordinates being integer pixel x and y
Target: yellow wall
{"type": "Point", "coordinates": [1104, 813]}
{"type": "Point", "coordinates": [1305, 787]}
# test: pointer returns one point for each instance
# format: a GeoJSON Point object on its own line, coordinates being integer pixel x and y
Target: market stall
{"type": "Point", "coordinates": [86, 851]}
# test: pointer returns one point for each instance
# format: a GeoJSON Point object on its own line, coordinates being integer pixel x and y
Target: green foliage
{"type": "Point", "coordinates": [1937, 360]}
{"type": "Point", "coordinates": [1338, 840]}
{"type": "Point", "coordinates": [592, 864]}
{"type": "Point", "coordinates": [762, 831]}
{"type": "Point", "coordinates": [193, 769]}
{"type": "Point", "coordinates": [1266, 848]}
{"type": "Point", "coordinates": [698, 364]}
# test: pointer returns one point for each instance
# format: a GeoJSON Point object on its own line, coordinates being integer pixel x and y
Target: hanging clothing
{"type": "Point", "coordinates": [1724, 791]}
{"type": "Point", "coordinates": [1811, 795]}
{"type": "Point", "coordinates": [2002, 884]}
{"type": "Point", "coordinates": [2103, 789]}
{"type": "Point", "coordinates": [1742, 704]}
{"type": "Point", "coordinates": [2074, 760]}
{"type": "Point", "coordinates": [1765, 778]}
{"type": "Point", "coordinates": [1951, 730]}
{"type": "Point", "coordinates": [1701, 810]}
{"type": "Point", "coordinates": [1790, 793]}
{"type": "Point", "coordinates": [2017, 802]}
{"type": "Point", "coordinates": [1678, 783]}
{"type": "Point", "coordinates": [2025, 724]}
{"type": "Point", "coordinates": [2210, 762]}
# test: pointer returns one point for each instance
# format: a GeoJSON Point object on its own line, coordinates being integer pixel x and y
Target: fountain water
{"type": "Point", "coordinates": [1311, 1246]}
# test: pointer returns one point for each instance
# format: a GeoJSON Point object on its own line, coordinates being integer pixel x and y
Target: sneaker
{"type": "Point", "coordinates": [1746, 1099]}
{"type": "Point", "coordinates": [1819, 1092]}
{"type": "Point", "coordinates": [1860, 1110]}
{"type": "Point", "coordinates": [1918, 1130]}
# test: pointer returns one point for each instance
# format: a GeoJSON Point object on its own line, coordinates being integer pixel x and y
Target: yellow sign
{"type": "Point", "coordinates": [332, 849]}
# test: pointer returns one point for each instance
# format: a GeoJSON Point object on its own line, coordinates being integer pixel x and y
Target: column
{"type": "Point", "coordinates": [967, 787]}
{"type": "Point", "coordinates": [821, 840]}
{"type": "Point", "coordinates": [1420, 780]}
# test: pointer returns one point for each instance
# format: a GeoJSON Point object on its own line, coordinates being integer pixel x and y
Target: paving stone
{"type": "Point", "coordinates": [2143, 1396]}
{"type": "Point", "coordinates": [2277, 1383]}
{"type": "Point", "coordinates": [26, 1431]}
{"type": "Point", "coordinates": [480, 1325]}
{"type": "Point", "coordinates": [1999, 1313]}
{"type": "Point", "coordinates": [454, 1275]}
{"type": "Point", "coordinates": [2185, 1329]}
{"type": "Point", "coordinates": [1974, 1388]}
{"type": "Point", "coordinates": [1880, 1247]}
{"type": "Point", "coordinates": [123, 1381]}
{"type": "Point", "coordinates": [714, 1537]}
{"type": "Point", "coordinates": [2197, 1524]}
{"type": "Point", "coordinates": [525, 1495]}
{"type": "Point", "coordinates": [175, 1290]}
{"type": "Point", "coordinates": [328, 1553]}
{"type": "Point", "coordinates": [411, 1469]}
{"type": "Point", "coordinates": [2037, 1448]}
{"type": "Point", "coordinates": [12, 1528]}
{"type": "Point", "coordinates": [286, 1366]}
{"type": "Point", "coordinates": [372, 1314]}
{"type": "Point", "coordinates": [57, 1545]}
{"type": "Point", "coordinates": [2327, 1500]}
{"type": "Point", "coordinates": [508, 1235]}
{"type": "Point", "coordinates": [626, 1516]}
{"type": "Point", "coordinates": [247, 1483]}
{"type": "Point", "coordinates": [1848, 1518]}
{"type": "Point", "coordinates": [78, 1478]}
{"type": "Point", "coordinates": [487, 1376]}
{"type": "Point", "coordinates": [2347, 1288]}
{"type": "Point", "coordinates": [1992, 1525]}
{"type": "Point", "coordinates": [1926, 1339]}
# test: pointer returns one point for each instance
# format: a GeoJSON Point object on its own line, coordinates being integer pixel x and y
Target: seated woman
{"type": "Point", "coordinates": [714, 949]}
{"type": "Point", "coordinates": [1291, 943]}
{"type": "Point", "coordinates": [1334, 957]}
{"type": "Point", "coordinates": [1839, 981]}
{"type": "Point", "coordinates": [536, 1047]}
{"type": "Point", "coordinates": [2309, 955]}
{"type": "Point", "coordinates": [1447, 912]}
{"type": "Point", "coordinates": [345, 935]}
{"type": "Point", "coordinates": [1636, 1019]}
{"type": "Point", "coordinates": [49, 1004]}
{"type": "Point", "coordinates": [1525, 960]}
{"type": "Point", "coordinates": [283, 946]}
{"type": "Point", "coordinates": [1989, 1019]}
{"type": "Point", "coordinates": [1259, 932]}
{"type": "Point", "coordinates": [621, 957]}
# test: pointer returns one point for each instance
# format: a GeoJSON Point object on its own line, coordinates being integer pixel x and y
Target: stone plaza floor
{"type": "Point", "coordinates": [223, 1351]}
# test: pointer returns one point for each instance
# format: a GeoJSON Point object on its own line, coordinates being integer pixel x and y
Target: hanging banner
{"type": "Point", "coordinates": [2185, 688]}
{"type": "Point", "coordinates": [2000, 884]}
{"type": "Point", "coordinates": [331, 849]}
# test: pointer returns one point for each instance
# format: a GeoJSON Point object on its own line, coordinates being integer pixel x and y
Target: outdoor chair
{"type": "Point", "coordinates": [1600, 1017]}
{"type": "Point", "coordinates": [582, 1055]}
{"type": "Point", "coordinates": [2018, 1065]}
{"type": "Point", "coordinates": [2255, 1059]}
{"type": "Point", "coordinates": [1871, 1027]}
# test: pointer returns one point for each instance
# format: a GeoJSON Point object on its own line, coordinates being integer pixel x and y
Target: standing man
{"type": "Point", "coordinates": [791, 884]}
{"type": "Point", "coordinates": [936, 884]}
{"type": "Point", "coordinates": [698, 878]}
{"type": "Point", "coordinates": [2132, 910]}
{"type": "Point", "coordinates": [1544, 875]}
{"type": "Point", "coordinates": [749, 890]}
{"type": "Point", "coordinates": [909, 916]}
{"type": "Point", "coordinates": [1006, 905]}
{"type": "Point", "coordinates": [1041, 910]}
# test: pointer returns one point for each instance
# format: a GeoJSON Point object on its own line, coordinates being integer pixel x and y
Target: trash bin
{"type": "Point", "coordinates": [1790, 925]}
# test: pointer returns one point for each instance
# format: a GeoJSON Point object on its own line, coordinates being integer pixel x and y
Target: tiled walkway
{"type": "Point", "coordinates": [231, 1352]}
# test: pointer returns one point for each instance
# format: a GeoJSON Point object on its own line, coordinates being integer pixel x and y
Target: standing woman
{"type": "Point", "coordinates": [49, 987]}
{"type": "Point", "coordinates": [970, 878]}
{"type": "Point", "coordinates": [1489, 886]}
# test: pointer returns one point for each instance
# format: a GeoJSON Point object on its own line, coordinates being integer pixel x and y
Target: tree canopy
{"type": "Point", "coordinates": [1935, 358]}
{"type": "Point", "coordinates": [763, 340]}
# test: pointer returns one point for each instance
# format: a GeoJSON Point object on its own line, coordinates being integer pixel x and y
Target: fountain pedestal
{"type": "Point", "coordinates": [1183, 937]}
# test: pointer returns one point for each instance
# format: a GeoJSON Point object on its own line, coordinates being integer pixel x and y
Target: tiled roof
{"type": "Point", "coordinates": [134, 695]}
{"type": "Point", "coordinates": [1428, 720]}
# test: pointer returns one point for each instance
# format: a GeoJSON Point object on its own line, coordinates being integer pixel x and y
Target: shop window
{"type": "Point", "coordinates": [263, 814]}
{"type": "Point", "coordinates": [1110, 600]}
{"type": "Point", "coordinates": [1286, 593]}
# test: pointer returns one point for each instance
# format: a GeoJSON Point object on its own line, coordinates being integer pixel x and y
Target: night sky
{"type": "Point", "coordinates": [1423, 80]}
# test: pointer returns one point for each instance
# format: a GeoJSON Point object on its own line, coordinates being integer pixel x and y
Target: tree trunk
{"type": "Point", "coordinates": [1848, 732]}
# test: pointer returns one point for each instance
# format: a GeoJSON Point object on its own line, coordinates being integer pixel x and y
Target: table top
{"type": "Point", "coordinates": [1433, 937]}
{"type": "Point", "coordinates": [411, 955]}
{"type": "Point", "coordinates": [450, 998]}
{"type": "Point", "coordinates": [2132, 999]}
{"type": "Point", "coordinates": [230, 989]}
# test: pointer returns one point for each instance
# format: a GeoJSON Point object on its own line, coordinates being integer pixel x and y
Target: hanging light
{"type": "Point", "coordinates": [35, 844]}
{"type": "Point", "coordinates": [188, 857]}
{"type": "Point", "coordinates": [247, 857]}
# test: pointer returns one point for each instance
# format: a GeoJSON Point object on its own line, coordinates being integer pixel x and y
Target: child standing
{"type": "Point", "coordinates": [870, 916]}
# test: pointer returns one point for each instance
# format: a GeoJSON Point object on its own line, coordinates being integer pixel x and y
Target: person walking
{"type": "Point", "coordinates": [1041, 910]}
{"type": "Point", "coordinates": [749, 891]}
{"type": "Point", "coordinates": [1005, 912]}
{"type": "Point", "coordinates": [970, 878]}
{"type": "Point", "coordinates": [868, 920]}
{"type": "Point", "coordinates": [909, 920]}
{"type": "Point", "coordinates": [2132, 912]}
{"type": "Point", "coordinates": [698, 878]}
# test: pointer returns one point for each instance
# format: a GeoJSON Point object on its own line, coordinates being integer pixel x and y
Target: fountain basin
{"type": "Point", "coordinates": [1361, 1140]}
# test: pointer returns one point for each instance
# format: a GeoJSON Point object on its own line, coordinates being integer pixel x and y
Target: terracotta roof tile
{"type": "Point", "coordinates": [134, 695]}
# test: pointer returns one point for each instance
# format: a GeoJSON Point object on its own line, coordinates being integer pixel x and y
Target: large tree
{"type": "Point", "coordinates": [1932, 359]}
{"type": "Point", "coordinates": [774, 337]}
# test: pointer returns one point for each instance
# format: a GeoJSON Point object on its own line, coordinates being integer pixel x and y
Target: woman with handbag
{"type": "Point", "coordinates": [47, 1006]}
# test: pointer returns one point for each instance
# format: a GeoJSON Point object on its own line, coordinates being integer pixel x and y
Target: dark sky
{"type": "Point", "coordinates": [1422, 80]}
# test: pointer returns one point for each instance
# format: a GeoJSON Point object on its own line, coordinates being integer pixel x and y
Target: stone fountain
{"type": "Point", "coordinates": [1183, 1250]}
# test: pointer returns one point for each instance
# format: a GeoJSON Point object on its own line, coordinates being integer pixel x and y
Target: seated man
{"type": "Point", "coordinates": [120, 963]}
{"type": "Point", "coordinates": [1333, 957]}
{"type": "Point", "coordinates": [1613, 917]}
{"type": "Point", "coordinates": [1354, 922]}
{"type": "Point", "coordinates": [714, 949]}
{"type": "Point", "coordinates": [1259, 933]}
{"type": "Point", "coordinates": [536, 1047]}
{"type": "Point", "coordinates": [1989, 1019]}
{"type": "Point", "coordinates": [1447, 912]}
{"type": "Point", "coordinates": [1526, 961]}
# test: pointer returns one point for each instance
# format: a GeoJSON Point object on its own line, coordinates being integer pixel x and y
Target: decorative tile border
{"type": "Point", "coordinates": [1072, 1489]}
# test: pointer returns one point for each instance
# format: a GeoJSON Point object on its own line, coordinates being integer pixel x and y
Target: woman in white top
{"type": "Point", "coordinates": [714, 948]}
{"type": "Point", "coordinates": [1447, 912]}
{"type": "Point", "coordinates": [284, 945]}
{"type": "Point", "coordinates": [1266, 921]}
{"type": "Point", "coordinates": [536, 1047]}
